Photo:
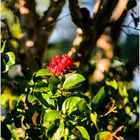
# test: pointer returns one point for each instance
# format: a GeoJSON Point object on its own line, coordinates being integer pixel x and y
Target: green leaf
{"type": "Point", "coordinates": [123, 91]}
{"type": "Point", "coordinates": [83, 132]}
{"type": "Point", "coordinates": [8, 59]}
{"type": "Point", "coordinates": [101, 135]}
{"type": "Point", "coordinates": [4, 66]}
{"type": "Point", "coordinates": [41, 86]}
{"type": "Point", "coordinates": [49, 100]}
{"type": "Point", "coordinates": [112, 84]}
{"type": "Point", "coordinates": [43, 72]}
{"type": "Point", "coordinates": [53, 82]}
{"type": "Point", "coordinates": [11, 58]}
{"type": "Point", "coordinates": [93, 117]}
{"type": "Point", "coordinates": [128, 110]}
{"type": "Point", "coordinates": [83, 106]}
{"type": "Point", "coordinates": [72, 81]}
{"type": "Point", "coordinates": [99, 96]}
{"type": "Point", "coordinates": [41, 99]}
{"type": "Point", "coordinates": [31, 97]}
{"type": "Point", "coordinates": [59, 132]}
{"type": "Point", "coordinates": [3, 47]}
{"type": "Point", "coordinates": [52, 115]}
{"type": "Point", "coordinates": [70, 105]}
{"type": "Point", "coordinates": [56, 130]}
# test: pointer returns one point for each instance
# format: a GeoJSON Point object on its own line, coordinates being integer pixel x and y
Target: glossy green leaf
{"type": "Point", "coordinates": [72, 81]}
{"type": "Point", "coordinates": [83, 132]}
{"type": "Point", "coordinates": [82, 105]}
{"type": "Point", "coordinates": [123, 91]}
{"type": "Point", "coordinates": [40, 98]}
{"type": "Point", "coordinates": [41, 86]}
{"type": "Point", "coordinates": [8, 59]}
{"type": "Point", "coordinates": [99, 96]}
{"type": "Point", "coordinates": [128, 110]}
{"type": "Point", "coordinates": [31, 97]}
{"type": "Point", "coordinates": [11, 60]}
{"type": "Point", "coordinates": [93, 117]}
{"type": "Point", "coordinates": [53, 82]}
{"type": "Point", "coordinates": [101, 135]}
{"type": "Point", "coordinates": [59, 133]}
{"type": "Point", "coordinates": [70, 105]}
{"type": "Point", "coordinates": [4, 66]}
{"type": "Point", "coordinates": [3, 46]}
{"type": "Point", "coordinates": [52, 102]}
{"type": "Point", "coordinates": [112, 84]}
{"type": "Point", "coordinates": [52, 115]}
{"type": "Point", "coordinates": [55, 130]}
{"type": "Point", "coordinates": [43, 72]}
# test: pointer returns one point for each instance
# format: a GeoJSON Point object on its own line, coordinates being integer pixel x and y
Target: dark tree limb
{"type": "Point", "coordinates": [36, 32]}
{"type": "Point", "coordinates": [52, 13]}
{"type": "Point", "coordinates": [93, 31]}
{"type": "Point", "coordinates": [48, 23]}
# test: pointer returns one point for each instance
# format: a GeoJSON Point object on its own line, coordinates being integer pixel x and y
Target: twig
{"type": "Point", "coordinates": [56, 21]}
{"type": "Point", "coordinates": [130, 27]}
{"type": "Point", "coordinates": [112, 108]}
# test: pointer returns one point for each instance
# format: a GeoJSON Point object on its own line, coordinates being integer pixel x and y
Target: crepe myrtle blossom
{"type": "Point", "coordinates": [60, 65]}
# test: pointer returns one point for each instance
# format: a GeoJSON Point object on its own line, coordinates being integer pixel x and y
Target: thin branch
{"type": "Point", "coordinates": [56, 21]}
{"type": "Point", "coordinates": [128, 26]}
{"type": "Point", "coordinates": [112, 108]}
{"type": "Point", "coordinates": [51, 15]}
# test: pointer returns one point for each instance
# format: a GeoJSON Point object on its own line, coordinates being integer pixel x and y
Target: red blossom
{"type": "Point", "coordinates": [60, 65]}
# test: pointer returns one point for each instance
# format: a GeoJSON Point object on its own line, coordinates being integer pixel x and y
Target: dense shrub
{"type": "Point", "coordinates": [56, 105]}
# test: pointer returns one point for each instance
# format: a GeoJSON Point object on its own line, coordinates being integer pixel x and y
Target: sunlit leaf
{"type": "Point", "coordinates": [16, 30]}
{"type": "Point", "coordinates": [56, 130]}
{"type": "Point", "coordinates": [15, 134]}
{"type": "Point", "coordinates": [128, 110]}
{"type": "Point", "coordinates": [101, 135]}
{"type": "Point", "coordinates": [40, 98]}
{"type": "Point", "coordinates": [11, 60]}
{"type": "Point", "coordinates": [8, 59]}
{"type": "Point", "coordinates": [112, 84]}
{"type": "Point", "coordinates": [72, 80]}
{"type": "Point", "coordinates": [50, 101]}
{"type": "Point", "coordinates": [59, 132]}
{"type": "Point", "coordinates": [83, 132]}
{"type": "Point", "coordinates": [123, 91]}
{"type": "Point", "coordinates": [3, 46]}
{"type": "Point", "coordinates": [43, 72]}
{"type": "Point", "coordinates": [41, 86]}
{"type": "Point", "coordinates": [82, 105]}
{"type": "Point", "coordinates": [31, 97]}
{"type": "Point", "coordinates": [70, 105]}
{"type": "Point", "coordinates": [52, 115]}
{"type": "Point", "coordinates": [99, 96]}
{"type": "Point", "coordinates": [93, 117]}
{"type": "Point", "coordinates": [4, 66]}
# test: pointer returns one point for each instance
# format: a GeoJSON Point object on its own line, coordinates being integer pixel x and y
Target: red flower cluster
{"type": "Point", "coordinates": [60, 65]}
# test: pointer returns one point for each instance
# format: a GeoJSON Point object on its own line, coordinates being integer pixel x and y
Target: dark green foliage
{"type": "Point", "coordinates": [51, 110]}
